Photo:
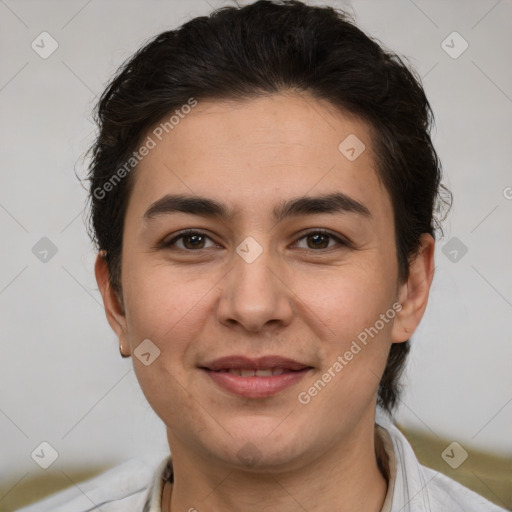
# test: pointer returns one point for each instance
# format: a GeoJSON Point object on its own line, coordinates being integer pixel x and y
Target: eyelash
{"type": "Point", "coordinates": [191, 232]}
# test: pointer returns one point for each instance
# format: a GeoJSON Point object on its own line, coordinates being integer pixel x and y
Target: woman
{"type": "Point", "coordinates": [263, 188]}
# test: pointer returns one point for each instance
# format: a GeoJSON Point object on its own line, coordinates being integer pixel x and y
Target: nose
{"type": "Point", "coordinates": [256, 296]}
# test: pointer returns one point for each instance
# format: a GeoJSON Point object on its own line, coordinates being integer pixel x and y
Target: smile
{"type": "Point", "coordinates": [255, 378]}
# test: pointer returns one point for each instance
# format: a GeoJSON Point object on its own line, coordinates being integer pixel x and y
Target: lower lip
{"type": "Point", "coordinates": [256, 387]}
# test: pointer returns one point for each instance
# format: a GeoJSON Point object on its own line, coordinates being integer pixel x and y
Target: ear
{"type": "Point", "coordinates": [113, 309]}
{"type": "Point", "coordinates": [413, 294]}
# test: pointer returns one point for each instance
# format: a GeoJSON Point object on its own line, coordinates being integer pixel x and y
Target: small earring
{"type": "Point", "coordinates": [121, 351]}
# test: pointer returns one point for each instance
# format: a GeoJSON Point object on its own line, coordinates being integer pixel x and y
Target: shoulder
{"type": "Point", "coordinates": [447, 494]}
{"type": "Point", "coordinates": [122, 488]}
{"type": "Point", "coordinates": [421, 489]}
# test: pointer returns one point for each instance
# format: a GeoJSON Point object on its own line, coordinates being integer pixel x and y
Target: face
{"type": "Point", "coordinates": [291, 256]}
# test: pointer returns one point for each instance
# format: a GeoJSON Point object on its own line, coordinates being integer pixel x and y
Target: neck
{"type": "Point", "coordinates": [349, 476]}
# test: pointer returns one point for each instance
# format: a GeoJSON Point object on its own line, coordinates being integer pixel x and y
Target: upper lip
{"type": "Point", "coordinates": [260, 363]}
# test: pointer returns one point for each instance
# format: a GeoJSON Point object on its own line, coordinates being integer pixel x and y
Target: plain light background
{"type": "Point", "coordinates": [62, 379]}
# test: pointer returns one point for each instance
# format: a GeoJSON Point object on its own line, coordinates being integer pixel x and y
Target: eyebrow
{"type": "Point", "coordinates": [337, 202]}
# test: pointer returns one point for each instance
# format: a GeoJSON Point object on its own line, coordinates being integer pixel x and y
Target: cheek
{"type": "Point", "coordinates": [348, 299]}
{"type": "Point", "coordinates": [165, 308]}
{"type": "Point", "coordinates": [348, 305]}
{"type": "Point", "coordinates": [166, 389]}
{"type": "Point", "coordinates": [160, 303]}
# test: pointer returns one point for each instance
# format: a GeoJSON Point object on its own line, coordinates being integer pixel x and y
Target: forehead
{"type": "Point", "coordinates": [251, 154]}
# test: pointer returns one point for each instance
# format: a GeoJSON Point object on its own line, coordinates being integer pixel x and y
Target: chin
{"type": "Point", "coordinates": [258, 446]}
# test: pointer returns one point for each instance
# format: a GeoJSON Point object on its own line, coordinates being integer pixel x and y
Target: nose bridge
{"type": "Point", "coordinates": [253, 294]}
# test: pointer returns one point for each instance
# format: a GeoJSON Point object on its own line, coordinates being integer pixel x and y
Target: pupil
{"type": "Point", "coordinates": [195, 237]}
{"type": "Point", "coordinates": [317, 237]}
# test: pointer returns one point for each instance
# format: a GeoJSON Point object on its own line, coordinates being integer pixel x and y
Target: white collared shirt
{"type": "Point", "coordinates": [136, 487]}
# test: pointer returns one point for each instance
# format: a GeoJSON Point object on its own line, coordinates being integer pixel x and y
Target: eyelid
{"type": "Point", "coordinates": [341, 240]}
{"type": "Point", "coordinates": [181, 234]}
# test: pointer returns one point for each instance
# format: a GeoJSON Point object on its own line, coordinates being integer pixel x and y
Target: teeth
{"type": "Point", "coordinates": [263, 373]}
{"type": "Point", "coordinates": [267, 372]}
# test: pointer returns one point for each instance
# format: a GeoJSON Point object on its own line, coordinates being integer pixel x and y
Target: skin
{"type": "Point", "coordinates": [295, 300]}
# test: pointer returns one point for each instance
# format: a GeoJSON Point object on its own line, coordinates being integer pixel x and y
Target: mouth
{"type": "Point", "coordinates": [255, 378]}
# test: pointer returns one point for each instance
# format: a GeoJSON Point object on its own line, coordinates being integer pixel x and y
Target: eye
{"type": "Point", "coordinates": [190, 240]}
{"type": "Point", "coordinates": [193, 240]}
{"type": "Point", "coordinates": [320, 240]}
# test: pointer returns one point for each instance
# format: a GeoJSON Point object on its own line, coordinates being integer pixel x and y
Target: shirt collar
{"type": "Point", "coordinates": [163, 473]}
